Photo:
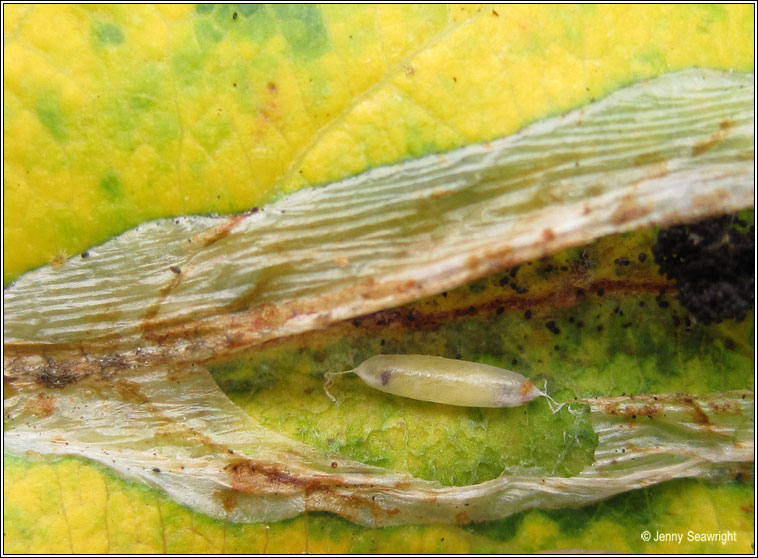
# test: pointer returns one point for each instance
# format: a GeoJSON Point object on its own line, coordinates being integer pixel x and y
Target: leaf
{"type": "Point", "coordinates": [327, 155]}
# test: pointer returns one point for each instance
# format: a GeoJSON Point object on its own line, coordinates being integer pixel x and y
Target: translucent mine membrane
{"type": "Point", "coordinates": [675, 148]}
{"type": "Point", "coordinates": [173, 429]}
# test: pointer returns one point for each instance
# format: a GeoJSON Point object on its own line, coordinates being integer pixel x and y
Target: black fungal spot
{"type": "Point", "coordinates": [712, 263]}
{"type": "Point", "coordinates": [85, 254]}
{"type": "Point", "coordinates": [514, 271]}
{"type": "Point", "coordinates": [444, 294]}
{"type": "Point", "coordinates": [356, 322]}
{"type": "Point", "coordinates": [580, 324]}
{"type": "Point", "coordinates": [175, 269]}
{"type": "Point", "coordinates": [234, 15]}
{"type": "Point", "coordinates": [622, 261]}
{"type": "Point", "coordinates": [504, 281]}
{"type": "Point", "coordinates": [600, 291]}
{"type": "Point", "coordinates": [156, 470]}
{"type": "Point", "coordinates": [642, 303]}
{"type": "Point", "coordinates": [519, 289]}
{"type": "Point", "coordinates": [600, 328]}
{"type": "Point", "coordinates": [500, 310]}
{"type": "Point", "coordinates": [642, 256]}
{"type": "Point", "coordinates": [580, 292]}
{"type": "Point", "coordinates": [552, 327]}
{"type": "Point", "coordinates": [527, 314]}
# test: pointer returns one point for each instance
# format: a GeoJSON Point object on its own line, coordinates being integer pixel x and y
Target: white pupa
{"type": "Point", "coordinates": [443, 380]}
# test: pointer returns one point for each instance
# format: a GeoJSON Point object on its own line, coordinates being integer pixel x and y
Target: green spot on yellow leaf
{"type": "Point", "coordinates": [107, 34]}
{"type": "Point", "coordinates": [112, 186]}
{"type": "Point", "coordinates": [303, 29]}
{"type": "Point", "coordinates": [50, 114]}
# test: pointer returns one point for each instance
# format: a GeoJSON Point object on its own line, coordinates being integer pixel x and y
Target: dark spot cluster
{"type": "Point", "coordinates": [519, 289]}
{"type": "Point", "coordinates": [56, 375]}
{"type": "Point", "coordinates": [712, 263]}
{"type": "Point", "coordinates": [663, 304]}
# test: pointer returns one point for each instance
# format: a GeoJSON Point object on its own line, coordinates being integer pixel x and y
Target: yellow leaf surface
{"type": "Point", "coordinates": [119, 114]}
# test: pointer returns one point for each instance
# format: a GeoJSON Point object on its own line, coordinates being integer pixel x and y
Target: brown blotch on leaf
{"type": "Point", "coordinates": [57, 261]}
{"type": "Point", "coordinates": [228, 500]}
{"type": "Point", "coordinates": [628, 211]}
{"type": "Point", "coordinates": [714, 139]}
{"type": "Point", "coordinates": [697, 413]}
{"type": "Point", "coordinates": [129, 391]}
{"type": "Point", "coordinates": [42, 406]}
